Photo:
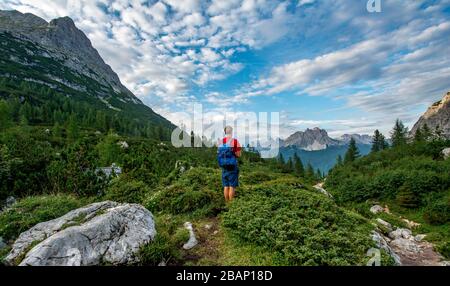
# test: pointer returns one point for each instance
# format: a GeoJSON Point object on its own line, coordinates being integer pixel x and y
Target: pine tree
{"type": "Point", "coordinates": [319, 174]}
{"type": "Point", "coordinates": [376, 141]}
{"type": "Point", "coordinates": [72, 129]}
{"type": "Point", "coordinates": [399, 134]}
{"type": "Point", "coordinates": [5, 115]}
{"type": "Point", "coordinates": [352, 152]}
{"type": "Point", "coordinates": [280, 160]}
{"type": "Point", "coordinates": [339, 160]}
{"type": "Point", "coordinates": [418, 136]}
{"type": "Point", "coordinates": [290, 165]}
{"type": "Point", "coordinates": [426, 132]}
{"type": "Point", "coordinates": [298, 166]}
{"type": "Point", "coordinates": [310, 174]}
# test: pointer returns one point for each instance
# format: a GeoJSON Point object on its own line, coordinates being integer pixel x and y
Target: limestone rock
{"type": "Point", "coordinates": [400, 233]}
{"type": "Point", "coordinates": [192, 242]}
{"type": "Point", "coordinates": [446, 153]}
{"type": "Point", "coordinates": [105, 232]}
{"type": "Point", "coordinates": [385, 224]}
{"type": "Point", "coordinates": [376, 209]}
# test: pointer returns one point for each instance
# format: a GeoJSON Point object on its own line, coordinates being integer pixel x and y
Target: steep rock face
{"type": "Point", "coordinates": [437, 115]}
{"type": "Point", "coordinates": [66, 42]}
{"type": "Point", "coordinates": [310, 140]}
{"type": "Point", "coordinates": [105, 232]}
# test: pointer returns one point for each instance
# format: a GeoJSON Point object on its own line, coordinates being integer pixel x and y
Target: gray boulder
{"type": "Point", "coordinates": [100, 233]}
{"type": "Point", "coordinates": [446, 153]}
{"type": "Point", "coordinates": [376, 209]}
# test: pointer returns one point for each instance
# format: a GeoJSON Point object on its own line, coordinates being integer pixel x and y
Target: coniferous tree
{"type": "Point", "coordinates": [319, 174]}
{"type": "Point", "coordinates": [280, 160]}
{"type": "Point", "coordinates": [298, 166]}
{"type": "Point", "coordinates": [339, 161]}
{"type": "Point", "coordinates": [418, 136]}
{"type": "Point", "coordinates": [73, 129]}
{"type": "Point", "coordinates": [310, 174]}
{"type": "Point", "coordinates": [5, 115]}
{"type": "Point", "coordinates": [426, 132]}
{"type": "Point", "coordinates": [352, 152]}
{"type": "Point", "coordinates": [376, 141]}
{"type": "Point", "coordinates": [399, 134]}
{"type": "Point", "coordinates": [290, 165]}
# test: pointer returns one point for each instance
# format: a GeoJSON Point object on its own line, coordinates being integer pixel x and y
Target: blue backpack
{"type": "Point", "coordinates": [226, 157]}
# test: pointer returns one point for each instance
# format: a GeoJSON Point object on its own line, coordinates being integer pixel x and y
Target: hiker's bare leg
{"type": "Point", "coordinates": [231, 193]}
{"type": "Point", "coordinates": [225, 194]}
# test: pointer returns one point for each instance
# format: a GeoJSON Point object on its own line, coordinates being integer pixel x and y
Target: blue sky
{"type": "Point", "coordinates": [330, 64]}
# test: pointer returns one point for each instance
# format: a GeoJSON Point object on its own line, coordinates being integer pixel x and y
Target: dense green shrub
{"type": "Point", "coordinates": [410, 169]}
{"type": "Point", "coordinates": [437, 212]}
{"type": "Point", "coordinates": [32, 210]}
{"type": "Point", "coordinates": [124, 190]}
{"type": "Point", "coordinates": [197, 191]}
{"type": "Point", "coordinates": [301, 227]}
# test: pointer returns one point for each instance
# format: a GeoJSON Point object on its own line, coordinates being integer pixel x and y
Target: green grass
{"type": "Point", "coordinates": [29, 211]}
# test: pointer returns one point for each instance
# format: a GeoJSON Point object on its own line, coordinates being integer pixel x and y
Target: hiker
{"type": "Point", "coordinates": [228, 152]}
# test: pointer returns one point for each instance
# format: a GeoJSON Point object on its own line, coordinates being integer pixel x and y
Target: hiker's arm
{"type": "Point", "coordinates": [238, 150]}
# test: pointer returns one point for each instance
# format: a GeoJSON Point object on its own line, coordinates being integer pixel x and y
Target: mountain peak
{"type": "Point", "coordinates": [437, 115]}
{"type": "Point", "coordinates": [310, 140]}
{"type": "Point", "coordinates": [64, 41]}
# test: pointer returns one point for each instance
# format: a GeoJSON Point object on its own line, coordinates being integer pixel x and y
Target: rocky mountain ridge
{"type": "Point", "coordinates": [436, 117]}
{"type": "Point", "coordinates": [64, 41]}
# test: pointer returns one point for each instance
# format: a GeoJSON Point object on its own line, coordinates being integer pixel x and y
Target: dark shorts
{"type": "Point", "coordinates": [230, 178]}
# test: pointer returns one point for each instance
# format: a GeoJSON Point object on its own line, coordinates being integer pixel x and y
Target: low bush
{"type": "Point", "coordinates": [197, 191]}
{"type": "Point", "coordinates": [300, 227]}
{"type": "Point", "coordinates": [125, 190]}
{"type": "Point", "coordinates": [437, 212]}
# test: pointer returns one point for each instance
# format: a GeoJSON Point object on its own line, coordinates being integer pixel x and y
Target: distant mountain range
{"type": "Point", "coordinates": [317, 139]}
{"type": "Point", "coordinates": [315, 147]}
{"type": "Point", "coordinates": [58, 55]}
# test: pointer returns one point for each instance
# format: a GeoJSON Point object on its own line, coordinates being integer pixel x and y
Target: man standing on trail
{"type": "Point", "coordinates": [228, 151]}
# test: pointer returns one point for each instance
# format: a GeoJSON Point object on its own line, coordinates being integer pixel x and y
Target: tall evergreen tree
{"type": "Point", "coordinates": [280, 160]}
{"type": "Point", "coordinates": [426, 132]}
{"type": "Point", "coordinates": [73, 129]}
{"type": "Point", "coordinates": [339, 160]}
{"type": "Point", "coordinates": [399, 134]}
{"type": "Point", "coordinates": [418, 136]}
{"type": "Point", "coordinates": [352, 152]}
{"type": "Point", "coordinates": [298, 166]}
{"type": "Point", "coordinates": [310, 174]}
{"type": "Point", "coordinates": [378, 142]}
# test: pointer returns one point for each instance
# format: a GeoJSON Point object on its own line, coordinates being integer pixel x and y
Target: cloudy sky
{"type": "Point", "coordinates": [330, 64]}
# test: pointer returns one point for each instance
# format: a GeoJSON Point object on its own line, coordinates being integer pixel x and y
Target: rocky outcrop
{"type": "Point", "coordinates": [438, 115]}
{"type": "Point", "coordinates": [412, 250]}
{"type": "Point", "coordinates": [100, 233]}
{"type": "Point", "coordinates": [446, 153]}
